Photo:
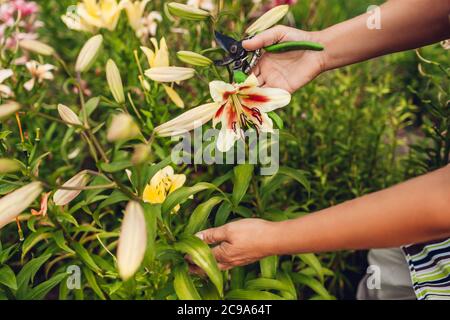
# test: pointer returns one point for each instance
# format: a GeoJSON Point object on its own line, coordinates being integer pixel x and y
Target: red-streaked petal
{"type": "Point", "coordinates": [220, 91]}
{"type": "Point", "coordinates": [266, 99]}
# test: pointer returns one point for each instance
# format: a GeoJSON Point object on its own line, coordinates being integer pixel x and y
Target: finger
{"type": "Point", "coordinates": [256, 70]}
{"type": "Point", "coordinates": [261, 81]}
{"type": "Point", "coordinates": [196, 270]}
{"type": "Point", "coordinates": [220, 254]}
{"type": "Point", "coordinates": [213, 235]}
{"type": "Point", "coordinates": [265, 38]}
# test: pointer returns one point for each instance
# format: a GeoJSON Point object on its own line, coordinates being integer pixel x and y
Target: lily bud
{"type": "Point", "coordinates": [68, 116]}
{"type": "Point", "coordinates": [8, 165]}
{"type": "Point", "coordinates": [37, 47]}
{"type": "Point", "coordinates": [122, 127]}
{"type": "Point", "coordinates": [89, 53]}
{"type": "Point", "coordinates": [194, 58]}
{"type": "Point", "coordinates": [17, 201]}
{"type": "Point", "coordinates": [141, 154]}
{"type": "Point", "coordinates": [132, 240]}
{"type": "Point", "coordinates": [187, 12]}
{"type": "Point", "coordinates": [144, 83]}
{"type": "Point", "coordinates": [64, 196]}
{"type": "Point", "coordinates": [169, 74]}
{"type": "Point", "coordinates": [8, 109]}
{"type": "Point", "coordinates": [114, 81]}
{"type": "Point", "coordinates": [268, 19]}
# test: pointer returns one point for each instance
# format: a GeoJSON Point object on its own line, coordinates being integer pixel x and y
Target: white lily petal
{"type": "Point", "coordinates": [189, 120]}
{"type": "Point", "coordinates": [5, 74]}
{"type": "Point", "coordinates": [169, 74]}
{"type": "Point", "coordinates": [266, 99]}
{"type": "Point", "coordinates": [218, 89]}
{"type": "Point", "coordinates": [226, 139]}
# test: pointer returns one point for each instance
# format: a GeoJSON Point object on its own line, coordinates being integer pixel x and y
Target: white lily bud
{"type": "Point", "coordinates": [68, 116]}
{"type": "Point", "coordinates": [169, 74]}
{"type": "Point", "coordinates": [64, 196]}
{"type": "Point", "coordinates": [8, 165]}
{"type": "Point", "coordinates": [8, 109]}
{"type": "Point", "coordinates": [132, 240]}
{"type": "Point", "coordinates": [122, 127]}
{"type": "Point", "coordinates": [17, 201]}
{"type": "Point", "coordinates": [89, 53]}
{"type": "Point", "coordinates": [194, 58]}
{"type": "Point", "coordinates": [115, 81]}
{"type": "Point", "coordinates": [268, 19]}
{"type": "Point", "coordinates": [187, 12]}
{"type": "Point", "coordinates": [141, 154]}
{"type": "Point", "coordinates": [37, 47]}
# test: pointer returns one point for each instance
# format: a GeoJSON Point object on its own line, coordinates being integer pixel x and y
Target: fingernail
{"type": "Point", "coordinates": [199, 235]}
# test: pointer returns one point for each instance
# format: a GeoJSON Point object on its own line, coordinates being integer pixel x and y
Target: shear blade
{"type": "Point", "coordinates": [226, 42]}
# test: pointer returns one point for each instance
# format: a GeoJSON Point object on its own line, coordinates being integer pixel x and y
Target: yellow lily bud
{"type": "Point", "coordinates": [8, 109]}
{"type": "Point", "coordinates": [17, 201]}
{"type": "Point", "coordinates": [169, 74]}
{"type": "Point", "coordinates": [141, 153]}
{"type": "Point", "coordinates": [8, 165]}
{"type": "Point", "coordinates": [64, 196]}
{"type": "Point", "coordinates": [268, 19]}
{"type": "Point", "coordinates": [122, 127]}
{"type": "Point", "coordinates": [115, 81]}
{"type": "Point", "coordinates": [187, 12]}
{"type": "Point", "coordinates": [89, 53]}
{"type": "Point", "coordinates": [68, 116]}
{"type": "Point", "coordinates": [174, 96]}
{"type": "Point", "coordinates": [194, 58]}
{"type": "Point", "coordinates": [37, 47]}
{"type": "Point", "coordinates": [132, 240]}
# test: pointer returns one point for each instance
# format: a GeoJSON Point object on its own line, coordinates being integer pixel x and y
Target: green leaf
{"type": "Point", "coordinates": [200, 215]}
{"type": "Point", "coordinates": [183, 285]}
{"type": "Point", "coordinates": [61, 241]}
{"type": "Point", "coordinates": [28, 272]}
{"type": "Point", "coordinates": [276, 118]}
{"type": "Point", "coordinates": [93, 283]}
{"type": "Point", "coordinates": [297, 175]}
{"type": "Point", "coordinates": [242, 176]}
{"type": "Point", "coordinates": [240, 294]}
{"type": "Point", "coordinates": [33, 239]}
{"type": "Point", "coordinates": [266, 284]}
{"type": "Point", "coordinates": [201, 255]}
{"type": "Point", "coordinates": [115, 166]}
{"type": "Point", "coordinates": [237, 278]}
{"type": "Point", "coordinates": [222, 214]}
{"type": "Point", "coordinates": [40, 291]}
{"type": "Point", "coordinates": [85, 256]}
{"type": "Point", "coordinates": [311, 283]}
{"type": "Point", "coordinates": [90, 106]}
{"type": "Point", "coordinates": [151, 213]}
{"type": "Point", "coordinates": [311, 260]}
{"type": "Point", "coordinates": [268, 267]}
{"type": "Point", "coordinates": [182, 194]}
{"type": "Point", "coordinates": [115, 197]}
{"type": "Point", "coordinates": [8, 278]}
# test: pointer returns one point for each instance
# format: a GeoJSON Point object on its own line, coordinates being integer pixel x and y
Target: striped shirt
{"type": "Point", "coordinates": [429, 265]}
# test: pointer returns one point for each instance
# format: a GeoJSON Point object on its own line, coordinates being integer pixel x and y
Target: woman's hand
{"type": "Point", "coordinates": [289, 70]}
{"type": "Point", "coordinates": [241, 242]}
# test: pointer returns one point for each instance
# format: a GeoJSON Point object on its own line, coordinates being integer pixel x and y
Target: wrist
{"type": "Point", "coordinates": [274, 238]}
{"type": "Point", "coordinates": [325, 38]}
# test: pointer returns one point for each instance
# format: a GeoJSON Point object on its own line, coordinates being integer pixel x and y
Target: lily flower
{"type": "Point", "coordinates": [65, 196]}
{"type": "Point", "coordinates": [39, 72]}
{"type": "Point", "coordinates": [91, 15]}
{"type": "Point", "coordinates": [163, 183]}
{"type": "Point", "coordinates": [236, 106]}
{"type": "Point", "coordinates": [135, 11]}
{"type": "Point", "coordinates": [5, 91]}
{"type": "Point", "coordinates": [161, 71]}
{"type": "Point", "coordinates": [149, 25]}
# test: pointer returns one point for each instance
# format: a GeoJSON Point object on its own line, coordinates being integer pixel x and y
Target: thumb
{"type": "Point", "coordinates": [213, 235]}
{"type": "Point", "coordinates": [265, 38]}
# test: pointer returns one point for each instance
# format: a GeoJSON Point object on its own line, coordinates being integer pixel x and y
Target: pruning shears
{"type": "Point", "coordinates": [242, 61]}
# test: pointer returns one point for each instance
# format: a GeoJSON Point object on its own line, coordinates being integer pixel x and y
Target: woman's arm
{"type": "Point", "coordinates": [405, 24]}
{"type": "Point", "coordinates": [411, 212]}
